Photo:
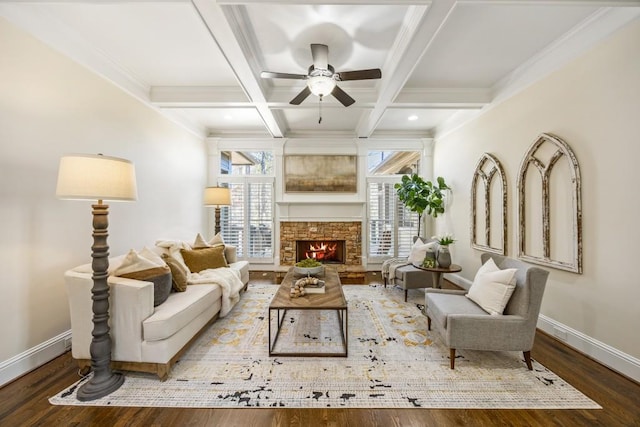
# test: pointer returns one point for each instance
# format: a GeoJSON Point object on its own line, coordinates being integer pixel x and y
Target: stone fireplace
{"type": "Point", "coordinates": [346, 233]}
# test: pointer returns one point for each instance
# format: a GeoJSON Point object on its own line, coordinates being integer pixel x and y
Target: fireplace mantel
{"type": "Point", "coordinates": [310, 210]}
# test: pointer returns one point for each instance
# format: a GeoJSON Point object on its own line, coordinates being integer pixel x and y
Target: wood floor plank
{"type": "Point", "coordinates": [24, 402]}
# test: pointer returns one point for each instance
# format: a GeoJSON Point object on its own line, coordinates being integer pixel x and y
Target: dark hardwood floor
{"type": "Point", "coordinates": [24, 402]}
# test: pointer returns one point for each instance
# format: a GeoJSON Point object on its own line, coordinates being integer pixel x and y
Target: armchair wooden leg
{"type": "Point", "coordinates": [452, 356]}
{"type": "Point", "coordinates": [406, 291]}
{"type": "Point", "coordinates": [527, 359]}
{"type": "Point", "coordinates": [428, 323]}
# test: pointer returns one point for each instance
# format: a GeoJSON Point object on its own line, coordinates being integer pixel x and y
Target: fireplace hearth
{"type": "Point", "coordinates": [325, 251]}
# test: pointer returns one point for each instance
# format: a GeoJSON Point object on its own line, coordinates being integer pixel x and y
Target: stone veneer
{"type": "Point", "coordinates": [351, 232]}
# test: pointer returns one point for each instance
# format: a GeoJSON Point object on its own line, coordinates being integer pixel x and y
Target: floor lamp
{"type": "Point", "coordinates": [217, 196]}
{"type": "Point", "coordinates": [97, 177]}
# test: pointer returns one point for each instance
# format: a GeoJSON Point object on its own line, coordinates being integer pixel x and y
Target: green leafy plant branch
{"type": "Point", "coordinates": [421, 196]}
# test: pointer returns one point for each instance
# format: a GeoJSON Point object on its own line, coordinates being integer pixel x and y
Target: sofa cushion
{"type": "Point", "coordinates": [412, 277]}
{"type": "Point", "coordinates": [492, 287]}
{"type": "Point", "coordinates": [440, 306]}
{"type": "Point", "coordinates": [149, 267]}
{"type": "Point", "coordinates": [179, 310]}
{"type": "Point", "coordinates": [203, 259]}
{"type": "Point", "coordinates": [179, 273]}
{"type": "Point", "coordinates": [243, 268]}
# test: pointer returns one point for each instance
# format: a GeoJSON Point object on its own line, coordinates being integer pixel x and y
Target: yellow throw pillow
{"type": "Point", "coordinates": [179, 274]}
{"type": "Point", "coordinates": [203, 259]}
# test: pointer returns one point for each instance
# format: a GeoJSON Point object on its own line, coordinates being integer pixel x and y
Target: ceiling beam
{"type": "Point", "coordinates": [234, 97]}
{"type": "Point", "coordinates": [421, 26]}
{"type": "Point", "coordinates": [226, 38]}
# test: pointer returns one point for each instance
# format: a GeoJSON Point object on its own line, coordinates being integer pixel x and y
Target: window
{"type": "Point", "coordinates": [248, 222]}
{"type": "Point", "coordinates": [391, 225]}
{"type": "Point", "coordinates": [393, 162]}
{"type": "Point", "coordinates": [246, 163]}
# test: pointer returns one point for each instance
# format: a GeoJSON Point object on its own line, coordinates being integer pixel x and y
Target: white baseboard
{"type": "Point", "coordinates": [611, 357]}
{"type": "Point", "coordinates": [34, 357]}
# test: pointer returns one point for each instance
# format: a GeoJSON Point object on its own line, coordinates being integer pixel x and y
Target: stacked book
{"type": "Point", "coordinates": [317, 288]}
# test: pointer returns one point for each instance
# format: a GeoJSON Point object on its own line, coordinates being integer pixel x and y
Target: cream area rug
{"type": "Point", "coordinates": [393, 362]}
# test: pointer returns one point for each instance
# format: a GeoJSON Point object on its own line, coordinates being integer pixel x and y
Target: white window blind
{"type": "Point", "coordinates": [232, 219]}
{"type": "Point", "coordinates": [248, 222]}
{"type": "Point", "coordinates": [260, 215]}
{"type": "Point", "coordinates": [391, 225]}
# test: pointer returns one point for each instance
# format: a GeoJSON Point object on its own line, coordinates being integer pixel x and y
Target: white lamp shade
{"type": "Point", "coordinates": [217, 196]}
{"type": "Point", "coordinates": [96, 177]}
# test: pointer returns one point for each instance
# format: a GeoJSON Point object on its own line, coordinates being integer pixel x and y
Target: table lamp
{"type": "Point", "coordinates": [98, 177]}
{"type": "Point", "coordinates": [217, 196]}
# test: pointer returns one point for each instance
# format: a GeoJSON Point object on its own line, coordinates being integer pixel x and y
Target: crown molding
{"type": "Point", "coordinates": [582, 38]}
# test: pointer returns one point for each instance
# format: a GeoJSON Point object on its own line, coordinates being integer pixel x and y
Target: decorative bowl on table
{"type": "Point", "coordinates": [308, 267]}
{"type": "Point", "coordinates": [307, 271]}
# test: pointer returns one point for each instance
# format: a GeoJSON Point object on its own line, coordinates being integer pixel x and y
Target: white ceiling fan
{"type": "Point", "coordinates": [322, 79]}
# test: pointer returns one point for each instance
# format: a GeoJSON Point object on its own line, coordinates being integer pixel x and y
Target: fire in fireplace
{"type": "Point", "coordinates": [326, 251]}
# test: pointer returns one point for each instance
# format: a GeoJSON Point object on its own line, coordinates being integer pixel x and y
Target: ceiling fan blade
{"type": "Point", "coordinates": [373, 73]}
{"type": "Point", "coordinates": [301, 96]}
{"type": "Point", "coordinates": [272, 75]}
{"type": "Point", "coordinates": [342, 96]}
{"type": "Point", "coordinates": [320, 55]}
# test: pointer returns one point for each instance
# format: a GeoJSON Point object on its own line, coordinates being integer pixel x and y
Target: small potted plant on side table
{"type": "Point", "coordinates": [444, 256]}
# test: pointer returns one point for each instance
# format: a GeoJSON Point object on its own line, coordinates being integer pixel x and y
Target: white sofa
{"type": "Point", "coordinates": [144, 338]}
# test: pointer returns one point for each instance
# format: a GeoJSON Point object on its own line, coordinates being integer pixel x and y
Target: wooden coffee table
{"type": "Point", "coordinates": [332, 299]}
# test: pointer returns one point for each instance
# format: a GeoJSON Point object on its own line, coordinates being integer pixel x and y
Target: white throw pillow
{"type": "Point", "coordinates": [152, 256]}
{"type": "Point", "coordinates": [134, 262]}
{"type": "Point", "coordinates": [492, 287]}
{"type": "Point", "coordinates": [173, 248]}
{"type": "Point", "coordinates": [216, 240]}
{"type": "Point", "coordinates": [200, 243]}
{"type": "Point", "coordinates": [419, 251]}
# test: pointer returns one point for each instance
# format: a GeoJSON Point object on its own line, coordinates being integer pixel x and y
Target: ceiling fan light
{"type": "Point", "coordinates": [321, 85]}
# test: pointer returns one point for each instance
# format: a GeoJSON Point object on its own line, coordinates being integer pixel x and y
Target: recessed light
{"type": "Point", "coordinates": [228, 117]}
{"type": "Point", "coordinates": [412, 118]}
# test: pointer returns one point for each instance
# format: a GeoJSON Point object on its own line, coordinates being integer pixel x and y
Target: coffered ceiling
{"type": "Point", "coordinates": [199, 62]}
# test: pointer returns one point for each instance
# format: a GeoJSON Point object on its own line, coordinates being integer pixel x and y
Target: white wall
{"type": "Point", "coordinates": [50, 106]}
{"type": "Point", "coordinates": [594, 105]}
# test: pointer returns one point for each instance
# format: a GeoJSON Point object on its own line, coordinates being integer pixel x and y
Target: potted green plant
{"type": "Point", "coordinates": [419, 195]}
{"type": "Point", "coordinates": [444, 256]}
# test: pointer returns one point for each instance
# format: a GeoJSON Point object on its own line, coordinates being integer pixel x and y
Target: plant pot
{"type": "Point", "coordinates": [308, 271]}
{"type": "Point", "coordinates": [444, 257]}
{"type": "Point", "coordinates": [429, 259]}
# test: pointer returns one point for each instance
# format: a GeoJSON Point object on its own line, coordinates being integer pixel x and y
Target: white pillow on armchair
{"type": "Point", "coordinates": [419, 251]}
{"type": "Point", "coordinates": [492, 287]}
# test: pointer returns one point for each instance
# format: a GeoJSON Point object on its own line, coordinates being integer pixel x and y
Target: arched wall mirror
{"type": "Point", "coordinates": [550, 205]}
{"type": "Point", "coordinates": [489, 206]}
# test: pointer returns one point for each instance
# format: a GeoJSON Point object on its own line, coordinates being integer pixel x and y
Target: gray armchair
{"type": "Point", "coordinates": [464, 325]}
{"type": "Point", "coordinates": [405, 275]}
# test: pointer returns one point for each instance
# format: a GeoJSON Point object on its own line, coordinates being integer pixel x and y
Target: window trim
{"type": "Point", "coordinates": [245, 180]}
{"type": "Point", "coordinates": [389, 179]}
